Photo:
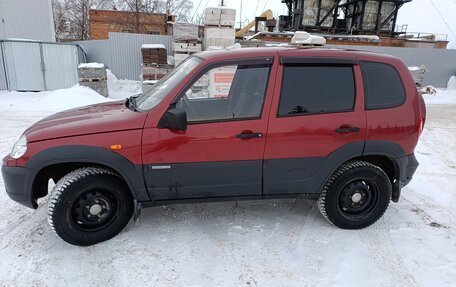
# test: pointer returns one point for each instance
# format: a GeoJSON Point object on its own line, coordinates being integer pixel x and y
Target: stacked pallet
{"type": "Point", "coordinates": [219, 27]}
{"type": "Point", "coordinates": [185, 32]}
{"type": "Point", "coordinates": [184, 49]}
{"type": "Point", "coordinates": [154, 54]}
{"type": "Point", "coordinates": [155, 62]}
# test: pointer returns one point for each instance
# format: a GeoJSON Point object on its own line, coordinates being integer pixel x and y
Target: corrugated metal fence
{"type": "Point", "coordinates": [38, 66]}
{"type": "Point", "coordinates": [441, 63]}
{"type": "Point", "coordinates": [121, 53]}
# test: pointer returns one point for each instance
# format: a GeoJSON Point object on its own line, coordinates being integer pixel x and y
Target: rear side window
{"type": "Point", "coordinates": [314, 89]}
{"type": "Point", "coordinates": [383, 86]}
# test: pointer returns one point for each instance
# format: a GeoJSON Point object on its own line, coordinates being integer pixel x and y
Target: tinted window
{"type": "Point", "coordinates": [310, 89]}
{"type": "Point", "coordinates": [227, 92]}
{"type": "Point", "coordinates": [383, 86]}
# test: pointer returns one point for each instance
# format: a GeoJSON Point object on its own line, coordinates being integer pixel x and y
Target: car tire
{"type": "Point", "coordinates": [355, 196]}
{"type": "Point", "coordinates": [89, 205]}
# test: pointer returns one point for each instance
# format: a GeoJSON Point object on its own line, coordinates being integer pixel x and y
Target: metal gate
{"type": "Point", "coordinates": [38, 66]}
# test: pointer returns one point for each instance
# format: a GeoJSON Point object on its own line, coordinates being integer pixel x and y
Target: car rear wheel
{"type": "Point", "coordinates": [89, 205]}
{"type": "Point", "coordinates": [356, 195]}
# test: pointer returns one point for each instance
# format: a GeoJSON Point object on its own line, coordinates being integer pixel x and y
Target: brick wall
{"type": "Point", "coordinates": [102, 22]}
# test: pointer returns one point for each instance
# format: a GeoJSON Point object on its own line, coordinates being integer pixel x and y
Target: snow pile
{"type": "Point", "coordinates": [153, 46]}
{"type": "Point", "coordinates": [441, 97]}
{"type": "Point", "coordinates": [418, 69]}
{"type": "Point", "coordinates": [53, 101]}
{"type": "Point", "coordinates": [429, 90]}
{"type": "Point", "coordinates": [452, 83]}
{"type": "Point", "coordinates": [59, 100]}
{"type": "Point", "coordinates": [121, 89]}
{"type": "Point", "coordinates": [91, 65]}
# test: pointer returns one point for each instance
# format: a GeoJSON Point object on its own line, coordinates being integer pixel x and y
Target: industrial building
{"type": "Point", "coordinates": [27, 19]}
{"type": "Point", "coordinates": [104, 21]}
{"type": "Point", "coordinates": [340, 21]}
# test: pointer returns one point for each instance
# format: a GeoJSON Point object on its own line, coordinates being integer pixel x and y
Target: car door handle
{"type": "Point", "coordinates": [347, 129]}
{"type": "Point", "coordinates": [249, 135]}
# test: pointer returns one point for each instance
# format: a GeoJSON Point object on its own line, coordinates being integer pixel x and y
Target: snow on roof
{"type": "Point", "coordinates": [91, 65]}
{"type": "Point", "coordinates": [153, 46]}
{"type": "Point", "coordinates": [415, 68]}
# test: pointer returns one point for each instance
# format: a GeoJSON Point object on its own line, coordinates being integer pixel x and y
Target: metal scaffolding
{"type": "Point", "coordinates": [372, 17]}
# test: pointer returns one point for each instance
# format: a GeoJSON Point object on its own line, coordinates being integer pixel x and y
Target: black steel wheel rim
{"type": "Point", "coordinates": [94, 210]}
{"type": "Point", "coordinates": [358, 199]}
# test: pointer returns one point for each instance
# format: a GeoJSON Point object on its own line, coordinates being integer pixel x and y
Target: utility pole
{"type": "Point", "coordinates": [222, 3]}
{"type": "Point", "coordinates": [240, 17]}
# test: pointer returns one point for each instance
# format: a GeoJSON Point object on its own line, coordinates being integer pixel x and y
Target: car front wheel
{"type": "Point", "coordinates": [89, 205]}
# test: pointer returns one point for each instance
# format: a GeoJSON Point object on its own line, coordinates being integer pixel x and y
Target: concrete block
{"type": "Point", "coordinates": [219, 33]}
{"type": "Point", "coordinates": [187, 47]}
{"type": "Point", "coordinates": [92, 73]}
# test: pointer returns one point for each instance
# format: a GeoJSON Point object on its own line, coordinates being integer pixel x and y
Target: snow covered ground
{"type": "Point", "coordinates": [258, 243]}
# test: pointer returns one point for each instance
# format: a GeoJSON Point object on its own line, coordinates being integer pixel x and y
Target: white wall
{"type": "Point", "coordinates": [27, 19]}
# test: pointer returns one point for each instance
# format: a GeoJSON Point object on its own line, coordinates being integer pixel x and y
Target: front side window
{"type": "Point", "coordinates": [226, 93]}
{"type": "Point", "coordinates": [315, 89]}
{"type": "Point", "coordinates": [161, 89]}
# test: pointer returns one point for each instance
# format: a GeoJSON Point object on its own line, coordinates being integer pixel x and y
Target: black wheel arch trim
{"type": "Point", "coordinates": [334, 160]}
{"type": "Point", "coordinates": [131, 173]}
{"type": "Point", "coordinates": [403, 163]}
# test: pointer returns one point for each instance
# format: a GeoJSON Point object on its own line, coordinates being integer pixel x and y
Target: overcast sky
{"type": "Point", "coordinates": [433, 16]}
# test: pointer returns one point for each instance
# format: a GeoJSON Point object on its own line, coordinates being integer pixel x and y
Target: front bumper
{"type": "Point", "coordinates": [17, 184]}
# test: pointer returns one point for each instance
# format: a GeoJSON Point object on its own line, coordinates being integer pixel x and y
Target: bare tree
{"type": "Point", "coordinates": [71, 17]}
{"type": "Point", "coordinates": [137, 7]}
{"type": "Point", "coordinates": [182, 9]}
{"type": "Point", "coordinates": [78, 17]}
{"type": "Point", "coordinates": [60, 21]}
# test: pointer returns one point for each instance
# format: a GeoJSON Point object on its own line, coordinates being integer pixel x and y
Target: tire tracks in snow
{"type": "Point", "coordinates": [378, 241]}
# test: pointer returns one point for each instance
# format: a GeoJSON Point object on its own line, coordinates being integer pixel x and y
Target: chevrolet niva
{"type": "Point", "coordinates": [338, 126]}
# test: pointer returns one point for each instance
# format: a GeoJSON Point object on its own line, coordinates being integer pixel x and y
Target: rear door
{"type": "Point", "coordinates": [221, 152]}
{"type": "Point", "coordinates": [317, 122]}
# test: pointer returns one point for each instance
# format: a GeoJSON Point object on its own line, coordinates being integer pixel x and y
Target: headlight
{"type": "Point", "coordinates": [19, 148]}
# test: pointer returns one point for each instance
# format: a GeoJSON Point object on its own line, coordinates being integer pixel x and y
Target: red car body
{"type": "Point", "coordinates": [292, 155]}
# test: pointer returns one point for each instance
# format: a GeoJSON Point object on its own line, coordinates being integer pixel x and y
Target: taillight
{"type": "Point", "coordinates": [422, 115]}
{"type": "Point", "coordinates": [420, 127]}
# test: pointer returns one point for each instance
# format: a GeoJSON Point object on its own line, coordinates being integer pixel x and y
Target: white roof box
{"type": "Point", "coordinates": [304, 38]}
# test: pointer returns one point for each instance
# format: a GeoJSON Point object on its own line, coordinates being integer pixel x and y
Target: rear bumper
{"type": "Point", "coordinates": [16, 184]}
{"type": "Point", "coordinates": [408, 166]}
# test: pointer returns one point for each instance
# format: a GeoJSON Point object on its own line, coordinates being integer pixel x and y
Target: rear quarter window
{"type": "Point", "coordinates": [383, 87]}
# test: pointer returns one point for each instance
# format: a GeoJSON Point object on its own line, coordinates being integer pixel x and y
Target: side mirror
{"type": "Point", "coordinates": [174, 119]}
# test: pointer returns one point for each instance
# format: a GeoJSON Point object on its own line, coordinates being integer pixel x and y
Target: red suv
{"type": "Point", "coordinates": [335, 125]}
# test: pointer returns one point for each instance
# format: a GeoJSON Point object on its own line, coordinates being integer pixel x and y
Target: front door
{"type": "Point", "coordinates": [221, 152]}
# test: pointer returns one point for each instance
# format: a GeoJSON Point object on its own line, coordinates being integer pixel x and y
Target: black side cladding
{"type": "Point", "coordinates": [306, 175]}
{"type": "Point", "coordinates": [131, 173]}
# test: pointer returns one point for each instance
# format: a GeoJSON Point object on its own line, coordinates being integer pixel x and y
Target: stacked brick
{"type": "Point", "coordinates": [155, 62]}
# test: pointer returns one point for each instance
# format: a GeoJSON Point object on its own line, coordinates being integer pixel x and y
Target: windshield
{"type": "Point", "coordinates": [159, 91]}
